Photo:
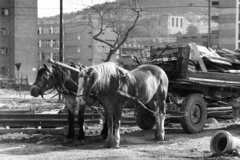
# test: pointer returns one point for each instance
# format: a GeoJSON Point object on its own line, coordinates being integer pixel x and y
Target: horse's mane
{"type": "Point", "coordinates": [104, 73]}
{"type": "Point", "coordinates": [40, 72]}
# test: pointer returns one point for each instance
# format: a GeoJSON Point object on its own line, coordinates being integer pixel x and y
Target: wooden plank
{"type": "Point", "coordinates": [45, 116]}
{"type": "Point", "coordinates": [199, 59]}
{"type": "Point", "coordinates": [219, 68]}
{"type": "Point", "coordinates": [218, 61]}
{"type": "Point", "coordinates": [234, 71]}
{"type": "Point", "coordinates": [214, 81]}
{"type": "Point", "coordinates": [215, 76]}
{"type": "Point", "coordinates": [219, 108]}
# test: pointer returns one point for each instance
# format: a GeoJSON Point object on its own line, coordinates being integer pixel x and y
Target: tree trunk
{"type": "Point", "coordinates": [111, 52]}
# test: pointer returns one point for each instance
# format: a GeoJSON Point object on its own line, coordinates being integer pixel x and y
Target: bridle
{"type": "Point", "coordinates": [45, 85]}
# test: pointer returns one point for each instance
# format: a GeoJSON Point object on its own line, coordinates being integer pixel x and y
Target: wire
{"type": "Point", "coordinates": [149, 7]}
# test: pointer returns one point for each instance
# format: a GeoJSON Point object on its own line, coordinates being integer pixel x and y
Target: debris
{"type": "Point", "coordinates": [211, 120]}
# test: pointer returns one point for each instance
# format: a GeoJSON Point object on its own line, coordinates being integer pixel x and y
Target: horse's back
{"type": "Point", "coordinates": [149, 69]}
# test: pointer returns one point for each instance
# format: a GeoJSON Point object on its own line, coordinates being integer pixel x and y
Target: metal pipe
{"type": "Point", "coordinates": [62, 65]}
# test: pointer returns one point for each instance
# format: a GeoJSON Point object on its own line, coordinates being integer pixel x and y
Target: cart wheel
{"type": "Point", "coordinates": [195, 109]}
{"type": "Point", "coordinates": [145, 119]}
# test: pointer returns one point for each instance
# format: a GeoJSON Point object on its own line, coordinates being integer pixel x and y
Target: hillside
{"type": "Point", "coordinates": [177, 7]}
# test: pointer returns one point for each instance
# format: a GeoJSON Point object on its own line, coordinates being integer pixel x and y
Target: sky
{"type": "Point", "coordinates": [48, 8]}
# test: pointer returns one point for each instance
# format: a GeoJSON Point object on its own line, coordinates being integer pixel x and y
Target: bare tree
{"type": "Point", "coordinates": [120, 18]}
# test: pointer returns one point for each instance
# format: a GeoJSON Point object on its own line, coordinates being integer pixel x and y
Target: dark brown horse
{"type": "Point", "coordinates": [148, 84]}
{"type": "Point", "coordinates": [65, 82]}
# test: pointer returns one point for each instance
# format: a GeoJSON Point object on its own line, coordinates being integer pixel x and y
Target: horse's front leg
{"type": "Point", "coordinates": [70, 135]}
{"type": "Point", "coordinates": [109, 116]}
{"type": "Point", "coordinates": [104, 132]}
{"type": "Point", "coordinates": [81, 135]}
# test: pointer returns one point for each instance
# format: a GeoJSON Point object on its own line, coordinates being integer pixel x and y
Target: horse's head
{"type": "Point", "coordinates": [86, 81]}
{"type": "Point", "coordinates": [44, 81]}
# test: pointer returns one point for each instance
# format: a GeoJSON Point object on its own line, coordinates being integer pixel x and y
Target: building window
{"type": "Point", "coordinates": [5, 31]}
{"type": "Point", "coordinates": [55, 56]}
{"type": "Point", "coordinates": [215, 3]}
{"type": "Point", "coordinates": [5, 12]}
{"type": "Point", "coordinates": [181, 21]}
{"type": "Point", "coordinates": [42, 56]}
{"type": "Point", "coordinates": [56, 43]}
{"type": "Point", "coordinates": [56, 30]}
{"type": "Point", "coordinates": [239, 12]}
{"type": "Point", "coordinates": [4, 51]}
{"type": "Point", "coordinates": [4, 71]}
{"type": "Point", "coordinates": [46, 43]}
{"type": "Point", "coordinates": [173, 22]}
{"type": "Point", "coordinates": [176, 22]}
{"type": "Point", "coordinates": [238, 32]}
{"type": "Point", "coordinates": [46, 30]}
{"type": "Point", "coordinates": [39, 30]}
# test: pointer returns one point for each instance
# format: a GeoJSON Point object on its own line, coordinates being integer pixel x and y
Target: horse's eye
{"type": "Point", "coordinates": [46, 77]}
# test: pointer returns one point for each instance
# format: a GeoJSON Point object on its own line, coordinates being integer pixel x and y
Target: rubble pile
{"type": "Point", "coordinates": [220, 60]}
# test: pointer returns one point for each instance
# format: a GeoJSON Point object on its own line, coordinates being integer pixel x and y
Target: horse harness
{"type": "Point", "coordinates": [94, 95]}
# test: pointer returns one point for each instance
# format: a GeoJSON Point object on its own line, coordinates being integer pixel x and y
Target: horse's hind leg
{"type": "Point", "coordinates": [160, 119]}
{"type": "Point", "coordinates": [117, 122]}
{"type": "Point", "coordinates": [81, 135]}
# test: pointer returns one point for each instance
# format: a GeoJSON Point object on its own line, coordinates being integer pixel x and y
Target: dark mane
{"type": "Point", "coordinates": [40, 72]}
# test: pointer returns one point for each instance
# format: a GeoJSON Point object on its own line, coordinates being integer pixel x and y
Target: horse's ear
{"type": "Point", "coordinates": [89, 71]}
{"type": "Point", "coordinates": [45, 66]}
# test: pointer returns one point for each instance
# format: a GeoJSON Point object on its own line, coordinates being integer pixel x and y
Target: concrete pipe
{"type": "Point", "coordinates": [223, 142]}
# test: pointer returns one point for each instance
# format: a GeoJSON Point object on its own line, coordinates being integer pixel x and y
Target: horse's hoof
{"type": "Point", "coordinates": [103, 137]}
{"type": "Point", "coordinates": [106, 145]}
{"type": "Point", "coordinates": [115, 145]}
{"type": "Point", "coordinates": [80, 142]}
{"type": "Point", "coordinates": [68, 140]}
{"type": "Point", "coordinates": [159, 138]}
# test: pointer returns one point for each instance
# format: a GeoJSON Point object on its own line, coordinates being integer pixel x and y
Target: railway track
{"type": "Point", "coordinates": [24, 118]}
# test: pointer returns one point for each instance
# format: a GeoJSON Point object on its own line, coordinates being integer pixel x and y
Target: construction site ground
{"type": "Point", "coordinates": [135, 143]}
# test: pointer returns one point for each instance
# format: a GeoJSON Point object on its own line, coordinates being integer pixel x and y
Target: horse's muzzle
{"type": "Point", "coordinates": [35, 91]}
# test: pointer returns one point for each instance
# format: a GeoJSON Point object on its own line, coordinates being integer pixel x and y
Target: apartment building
{"type": "Point", "coordinates": [229, 23]}
{"type": "Point", "coordinates": [18, 42]}
{"type": "Point", "coordinates": [78, 43]}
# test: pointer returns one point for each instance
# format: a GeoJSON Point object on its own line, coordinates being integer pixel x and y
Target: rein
{"type": "Point", "coordinates": [42, 94]}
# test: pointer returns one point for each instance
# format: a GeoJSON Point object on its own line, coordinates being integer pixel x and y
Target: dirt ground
{"type": "Point", "coordinates": [135, 144]}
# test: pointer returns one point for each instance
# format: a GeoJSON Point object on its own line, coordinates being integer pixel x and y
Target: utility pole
{"type": "Point", "coordinates": [61, 39]}
{"type": "Point", "coordinates": [61, 33]}
{"type": "Point", "coordinates": [209, 23]}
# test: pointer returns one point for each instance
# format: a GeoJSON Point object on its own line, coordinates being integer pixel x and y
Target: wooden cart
{"type": "Point", "coordinates": [194, 92]}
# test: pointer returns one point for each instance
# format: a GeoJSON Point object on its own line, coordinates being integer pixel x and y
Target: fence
{"type": "Point", "coordinates": [13, 82]}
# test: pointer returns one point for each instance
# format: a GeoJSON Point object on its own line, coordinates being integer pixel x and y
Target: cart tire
{"type": "Point", "coordinates": [145, 119]}
{"type": "Point", "coordinates": [195, 110]}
